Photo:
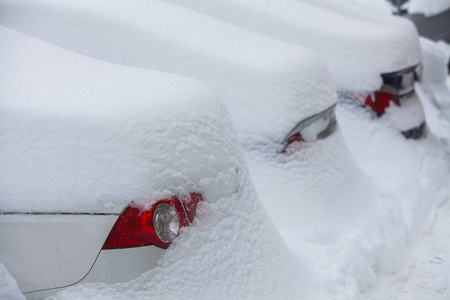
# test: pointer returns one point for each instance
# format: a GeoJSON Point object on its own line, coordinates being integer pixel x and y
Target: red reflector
{"type": "Point", "coordinates": [135, 228]}
{"type": "Point", "coordinates": [382, 101]}
{"type": "Point", "coordinates": [296, 138]}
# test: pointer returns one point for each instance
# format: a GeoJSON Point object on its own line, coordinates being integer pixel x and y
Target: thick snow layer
{"type": "Point", "coordinates": [81, 135]}
{"type": "Point", "coordinates": [409, 115]}
{"type": "Point", "coordinates": [421, 167]}
{"type": "Point", "coordinates": [435, 73]}
{"type": "Point", "coordinates": [363, 9]}
{"type": "Point", "coordinates": [316, 193]}
{"type": "Point", "coordinates": [426, 273]}
{"type": "Point", "coordinates": [378, 6]}
{"type": "Point", "coordinates": [357, 51]}
{"type": "Point", "coordinates": [412, 179]}
{"type": "Point", "coordinates": [8, 286]}
{"type": "Point", "coordinates": [231, 252]}
{"type": "Point", "coordinates": [268, 85]}
{"type": "Point", "coordinates": [435, 59]}
{"type": "Point", "coordinates": [428, 7]}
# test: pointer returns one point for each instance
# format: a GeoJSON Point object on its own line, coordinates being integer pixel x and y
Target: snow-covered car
{"type": "Point", "coordinates": [375, 63]}
{"type": "Point", "coordinates": [271, 88]}
{"type": "Point", "coordinates": [102, 164]}
{"type": "Point", "coordinates": [277, 93]}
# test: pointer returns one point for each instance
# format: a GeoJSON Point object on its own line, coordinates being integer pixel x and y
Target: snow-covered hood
{"type": "Point", "coordinates": [81, 135]}
{"type": "Point", "coordinates": [268, 85]}
{"type": "Point", "coordinates": [357, 51]}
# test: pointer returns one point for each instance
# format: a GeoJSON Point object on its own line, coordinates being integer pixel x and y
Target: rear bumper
{"type": "Point", "coordinates": [113, 266]}
{"type": "Point", "coordinates": [44, 252]}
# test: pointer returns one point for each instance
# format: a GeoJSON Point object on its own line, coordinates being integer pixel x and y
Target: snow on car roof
{"type": "Point", "coordinates": [428, 7]}
{"type": "Point", "coordinates": [357, 51]}
{"type": "Point", "coordinates": [378, 12]}
{"type": "Point", "coordinates": [268, 85]}
{"type": "Point", "coordinates": [82, 135]}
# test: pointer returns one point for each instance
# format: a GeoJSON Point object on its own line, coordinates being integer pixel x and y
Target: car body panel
{"type": "Point", "coordinates": [48, 251]}
{"type": "Point", "coordinates": [112, 266]}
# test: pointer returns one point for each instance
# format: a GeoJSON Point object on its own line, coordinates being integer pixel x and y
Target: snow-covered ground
{"type": "Point", "coordinates": [426, 272]}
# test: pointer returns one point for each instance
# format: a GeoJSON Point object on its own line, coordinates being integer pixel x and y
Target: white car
{"type": "Point", "coordinates": [101, 164]}
{"type": "Point", "coordinates": [372, 60]}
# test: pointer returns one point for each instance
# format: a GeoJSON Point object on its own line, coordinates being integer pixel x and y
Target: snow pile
{"type": "Point", "coordinates": [435, 73]}
{"type": "Point", "coordinates": [326, 209]}
{"type": "Point", "coordinates": [232, 252]}
{"type": "Point", "coordinates": [356, 50]}
{"type": "Point", "coordinates": [268, 86]}
{"type": "Point", "coordinates": [434, 90]}
{"type": "Point", "coordinates": [412, 179]}
{"type": "Point", "coordinates": [330, 213]}
{"type": "Point", "coordinates": [316, 193]}
{"type": "Point", "coordinates": [425, 276]}
{"type": "Point", "coordinates": [8, 286]}
{"type": "Point", "coordinates": [80, 135]}
{"type": "Point", "coordinates": [428, 7]}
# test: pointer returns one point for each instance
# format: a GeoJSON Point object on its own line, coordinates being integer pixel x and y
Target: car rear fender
{"type": "Point", "coordinates": [43, 251]}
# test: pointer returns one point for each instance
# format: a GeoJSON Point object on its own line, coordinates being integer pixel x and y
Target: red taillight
{"type": "Point", "coordinates": [315, 127]}
{"type": "Point", "coordinates": [381, 102]}
{"type": "Point", "coordinates": [295, 138]}
{"type": "Point", "coordinates": [135, 226]}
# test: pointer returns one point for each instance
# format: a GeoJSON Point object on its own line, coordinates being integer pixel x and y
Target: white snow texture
{"type": "Point", "coordinates": [8, 286]}
{"type": "Point", "coordinates": [349, 221]}
{"type": "Point", "coordinates": [81, 135]}
{"type": "Point", "coordinates": [354, 255]}
{"type": "Point", "coordinates": [356, 50]}
{"type": "Point", "coordinates": [268, 86]}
